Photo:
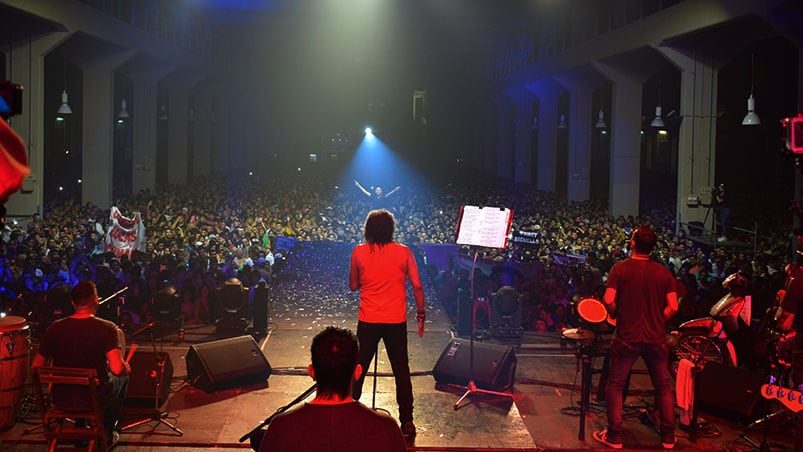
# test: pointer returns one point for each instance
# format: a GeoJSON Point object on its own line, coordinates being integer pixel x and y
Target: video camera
{"type": "Point", "coordinates": [10, 99]}
{"type": "Point", "coordinates": [793, 126]}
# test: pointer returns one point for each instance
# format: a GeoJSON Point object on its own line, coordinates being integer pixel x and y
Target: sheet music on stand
{"type": "Point", "coordinates": [487, 227]}
{"type": "Point", "coordinates": [484, 226]}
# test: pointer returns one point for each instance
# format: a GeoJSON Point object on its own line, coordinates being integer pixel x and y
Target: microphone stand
{"type": "Point", "coordinates": [112, 295]}
{"type": "Point", "coordinates": [279, 411]}
{"type": "Point", "coordinates": [157, 414]}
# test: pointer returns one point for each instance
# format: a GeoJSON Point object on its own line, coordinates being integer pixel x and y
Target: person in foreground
{"type": "Point", "coordinates": [789, 319]}
{"type": "Point", "coordinates": [379, 270]}
{"type": "Point", "coordinates": [85, 341]}
{"type": "Point", "coordinates": [641, 295]}
{"type": "Point", "coordinates": [333, 420]}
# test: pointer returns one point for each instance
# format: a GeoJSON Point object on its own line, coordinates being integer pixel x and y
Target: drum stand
{"type": "Point", "coordinates": [583, 340]}
{"type": "Point", "coordinates": [157, 414]}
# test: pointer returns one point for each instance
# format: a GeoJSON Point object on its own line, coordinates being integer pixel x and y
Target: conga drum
{"type": "Point", "coordinates": [592, 310]}
{"type": "Point", "coordinates": [15, 346]}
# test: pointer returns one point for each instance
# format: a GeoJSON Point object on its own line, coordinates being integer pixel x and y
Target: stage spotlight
{"type": "Point", "coordinates": [232, 303]}
{"type": "Point", "coordinates": [167, 304]}
{"type": "Point", "coordinates": [368, 131]}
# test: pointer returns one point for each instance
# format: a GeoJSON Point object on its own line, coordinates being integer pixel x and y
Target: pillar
{"type": "Point", "coordinates": [696, 143]}
{"type": "Point", "coordinates": [547, 92]}
{"type": "Point", "coordinates": [145, 75]}
{"type": "Point", "coordinates": [29, 70]}
{"type": "Point", "coordinates": [98, 124]}
{"type": "Point", "coordinates": [179, 84]}
{"type": "Point", "coordinates": [580, 84]}
{"type": "Point", "coordinates": [625, 129]}
{"type": "Point", "coordinates": [523, 100]}
{"type": "Point", "coordinates": [503, 153]}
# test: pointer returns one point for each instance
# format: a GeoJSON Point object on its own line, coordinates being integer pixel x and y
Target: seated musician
{"type": "Point", "coordinates": [85, 341]}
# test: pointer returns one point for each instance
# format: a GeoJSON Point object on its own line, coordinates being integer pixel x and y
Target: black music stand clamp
{"type": "Point", "coordinates": [156, 414]}
{"type": "Point", "coordinates": [487, 227]}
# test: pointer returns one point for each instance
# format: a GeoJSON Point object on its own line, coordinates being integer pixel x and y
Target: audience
{"type": "Point", "coordinates": [213, 229]}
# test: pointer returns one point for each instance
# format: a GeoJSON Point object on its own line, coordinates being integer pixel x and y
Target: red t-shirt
{"type": "Point", "coordinates": [641, 289]}
{"type": "Point", "coordinates": [380, 273]}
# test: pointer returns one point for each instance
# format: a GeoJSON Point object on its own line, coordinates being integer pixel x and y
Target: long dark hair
{"type": "Point", "coordinates": [379, 227]}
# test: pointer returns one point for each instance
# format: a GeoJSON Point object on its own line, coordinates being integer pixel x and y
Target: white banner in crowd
{"type": "Point", "coordinates": [125, 234]}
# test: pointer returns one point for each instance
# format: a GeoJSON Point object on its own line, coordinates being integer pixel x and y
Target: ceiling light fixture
{"type": "Point", "coordinates": [751, 118]}
{"type": "Point", "coordinates": [601, 121]}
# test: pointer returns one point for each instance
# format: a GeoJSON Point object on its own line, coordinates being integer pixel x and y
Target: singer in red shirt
{"type": "Point", "coordinates": [380, 269]}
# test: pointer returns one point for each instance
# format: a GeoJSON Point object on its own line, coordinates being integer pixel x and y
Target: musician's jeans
{"type": "Point", "coordinates": [113, 402]}
{"type": "Point", "coordinates": [623, 356]}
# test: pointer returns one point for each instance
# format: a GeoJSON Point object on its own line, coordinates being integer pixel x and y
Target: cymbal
{"type": "Point", "coordinates": [578, 334]}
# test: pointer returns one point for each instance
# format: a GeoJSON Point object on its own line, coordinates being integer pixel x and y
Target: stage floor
{"type": "Point", "coordinates": [541, 413]}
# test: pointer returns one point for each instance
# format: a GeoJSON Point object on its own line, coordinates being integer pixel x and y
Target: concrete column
{"type": "Point", "coordinates": [145, 75]}
{"type": "Point", "coordinates": [504, 139]}
{"type": "Point", "coordinates": [548, 93]}
{"type": "Point", "coordinates": [484, 163]}
{"type": "Point", "coordinates": [29, 70]}
{"type": "Point", "coordinates": [625, 130]}
{"type": "Point", "coordinates": [696, 146]}
{"type": "Point", "coordinates": [523, 133]}
{"type": "Point", "coordinates": [202, 131]}
{"type": "Point", "coordinates": [179, 84]}
{"type": "Point", "coordinates": [580, 83]}
{"type": "Point", "coordinates": [237, 122]}
{"type": "Point", "coordinates": [98, 125]}
{"type": "Point", "coordinates": [221, 112]}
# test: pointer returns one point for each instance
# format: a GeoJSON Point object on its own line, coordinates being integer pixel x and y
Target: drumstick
{"type": "Point", "coordinates": [131, 351]}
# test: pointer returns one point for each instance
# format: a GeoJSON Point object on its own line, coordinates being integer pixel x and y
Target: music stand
{"type": "Point", "coordinates": [483, 227]}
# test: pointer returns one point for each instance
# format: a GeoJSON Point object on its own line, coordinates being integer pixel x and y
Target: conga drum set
{"type": "Point", "coordinates": [593, 317]}
{"type": "Point", "coordinates": [15, 346]}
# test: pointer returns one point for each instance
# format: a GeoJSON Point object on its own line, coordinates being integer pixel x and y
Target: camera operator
{"type": "Point", "coordinates": [723, 210]}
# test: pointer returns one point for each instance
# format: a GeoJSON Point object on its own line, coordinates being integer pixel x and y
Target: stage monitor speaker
{"type": "Point", "coordinates": [149, 370]}
{"type": "Point", "coordinates": [731, 390]}
{"type": "Point", "coordinates": [494, 365]}
{"type": "Point", "coordinates": [227, 363]}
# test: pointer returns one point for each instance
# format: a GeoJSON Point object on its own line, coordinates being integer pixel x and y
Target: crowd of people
{"type": "Point", "coordinates": [201, 234]}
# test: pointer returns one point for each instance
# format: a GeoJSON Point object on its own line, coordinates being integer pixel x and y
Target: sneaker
{"type": "Point", "coordinates": [602, 436]}
{"type": "Point", "coordinates": [113, 440]}
{"type": "Point", "coordinates": [722, 239]}
{"type": "Point", "coordinates": [668, 442]}
{"type": "Point", "coordinates": [408, 430]}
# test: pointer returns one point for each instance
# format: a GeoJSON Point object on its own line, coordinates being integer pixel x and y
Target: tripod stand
{"type": "Point", "coordinates": [156, 413]}
{"type": "Point", "coordinates": [471, 386]}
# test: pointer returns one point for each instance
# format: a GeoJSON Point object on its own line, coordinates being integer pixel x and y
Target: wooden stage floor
{"type": "Point", "coordinates": [541, 414]}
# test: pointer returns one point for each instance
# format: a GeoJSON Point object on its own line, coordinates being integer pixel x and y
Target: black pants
{"type": "Point", "coordinates": [394, 335]}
